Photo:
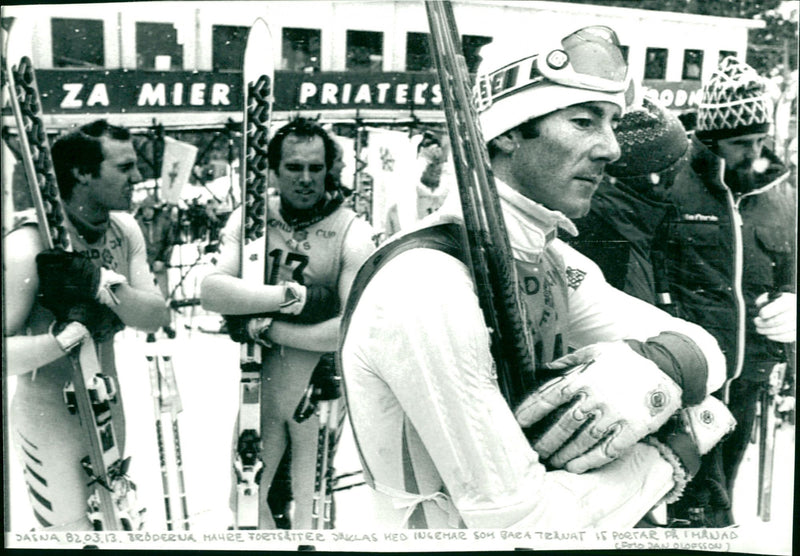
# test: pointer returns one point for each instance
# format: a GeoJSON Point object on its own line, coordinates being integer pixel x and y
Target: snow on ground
{"type": "Point", "coordinates": [207, 374]}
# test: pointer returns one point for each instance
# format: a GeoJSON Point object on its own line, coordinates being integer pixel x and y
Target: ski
{"type": "Point", "coordinates": [486, 240]}
{"type": "Point", "coordinates": [167, 402]}
{"type": "Point", "coordinates": [112, 503]}
{"type": "Point", "coordinates": [258, 74]}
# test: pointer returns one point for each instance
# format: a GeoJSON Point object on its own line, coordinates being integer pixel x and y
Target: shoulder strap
{"type": "Point", "coordinates": [443, 237]}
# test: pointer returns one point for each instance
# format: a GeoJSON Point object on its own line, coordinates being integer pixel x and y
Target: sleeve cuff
{"type": "Point", "coordinates": [679, 358]}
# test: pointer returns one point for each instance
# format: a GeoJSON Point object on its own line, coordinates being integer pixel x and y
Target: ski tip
{"type": "Point", "coordinates": [259, 25]}
{"type": "Point", "coordinates": [18, 37]}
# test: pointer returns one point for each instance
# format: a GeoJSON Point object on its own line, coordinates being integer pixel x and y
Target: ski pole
{"type": "Point", "coordinates": [155, 386]}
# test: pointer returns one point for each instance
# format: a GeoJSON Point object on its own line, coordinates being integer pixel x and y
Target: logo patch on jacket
{"type": "Point", "coordinates": [701, 218]}
{"type": "Point", "coordinates": [574, 277]}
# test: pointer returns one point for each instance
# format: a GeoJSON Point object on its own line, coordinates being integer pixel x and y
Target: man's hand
{"type": "Point", "coordinates": [308, 304]}
{"type": "Point", "coordinates": [324, 385]}
{"type": "Point", "coordinates": [247, 328]}
{"type": "Point", "coordinates": [694, 430]}
{"type": "Point", "coordinates": [101, 321]}
{"type": "Point", "coordinates": [610, 399]}
{"type": "Point", "coordinates": [777, 318]}
{"type": "Point", "coordinates": [66, 278]}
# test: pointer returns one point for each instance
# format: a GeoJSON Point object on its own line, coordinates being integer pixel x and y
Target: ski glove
{"type": "Point", "coordinates": [777, 317]}
{"type": "Point", "coordinates": [67, 278]}
{"type": "Point", "coordinates": [610, 399]}
{"type": "Point", "coordinates": [324, 385]}
{"type": "Point", "coordinates": [101, 321]}
{"type": "Point", "coordinates": [308, 304]}
{"type": "Point", "coordinates": [247, 328]}
{"type": "Point", "coordinates": [688, 435]}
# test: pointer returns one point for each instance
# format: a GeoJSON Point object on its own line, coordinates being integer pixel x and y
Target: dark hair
{"type": "Point", "coordinates": [529, 129]}
{"type": "Point", "coordinates": [428, 138]}
{"type": "Point", "coordinates": [82, 149]}
{"type": "Point", "coordinates": [300, 127]}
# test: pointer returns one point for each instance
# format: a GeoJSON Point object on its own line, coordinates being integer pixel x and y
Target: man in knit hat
{"type": "Point", "coordinates": [631, 202]}
{"type": "Point", "coordinates": [439, 444]}
{"type": "Point", "coordinates": [730, 260]}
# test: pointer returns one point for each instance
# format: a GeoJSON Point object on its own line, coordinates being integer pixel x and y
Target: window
{"type": "Point", "coordinates": [418, 52]}
{"type": "Point", "coordinates": [726, 53]}
{"type": "Point", "coordinates": [157, 46]}
{"type": "Point", "coordinates": [227, 47]}
{"type": "Point", "coordinates": [301, 49]}
{"type": "Point", "coordinates": [364, 51]}
{"type": "Point", "coordinates": [692, 64]}
{"type": "Point", "coordinates": [624, 49]}
{"type": "Point", "coordinates": [472, 45]}
{"type": "Point", "coordinates": [77, 43]}
{"type": "Point", "coordinates": [655, 66]}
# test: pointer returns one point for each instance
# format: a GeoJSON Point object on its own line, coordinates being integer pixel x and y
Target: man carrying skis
{"type": "Point", "coordinates": [100, 287]}
{"type": "Point", "coordinates": [315, 248]}
{"type": "Point", "coordinates": [439, 444]}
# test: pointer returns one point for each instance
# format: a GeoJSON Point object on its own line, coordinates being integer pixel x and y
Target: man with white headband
{"type": "Point", "coordinates": [438, 442]}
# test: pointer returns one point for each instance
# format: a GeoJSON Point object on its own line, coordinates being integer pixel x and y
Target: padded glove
{"type": "Point", "coordinates": [694, 430]}
{"type": "Point", "coordinates": [67, 278]}
{"type": "Point", "coordinates": [308, 304]}
{"type": "Point", "coordinates": [101, 321]}
{"type": "Point", "coordinates": [324, 385]}
{"type": "Point", "coordinates": [610, 399]}
{"type": "Point", "coordinates": [777, 317]}
{"type": "Point", "coordinates": [248, 328]}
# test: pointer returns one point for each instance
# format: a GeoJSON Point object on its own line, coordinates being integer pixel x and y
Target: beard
{"type": "Point", "coordinates": [741, 179]}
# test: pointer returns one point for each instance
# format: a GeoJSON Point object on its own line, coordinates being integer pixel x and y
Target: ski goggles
{"type": "Point", "coordinates": [590, 58]}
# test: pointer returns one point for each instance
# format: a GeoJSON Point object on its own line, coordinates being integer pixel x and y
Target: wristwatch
{"type": "Point", "coordinates": [70, 336]}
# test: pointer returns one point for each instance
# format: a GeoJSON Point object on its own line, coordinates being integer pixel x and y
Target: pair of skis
{"type": "Point", "coordinates": [258, 83]}
{"type": "Point", "coordinates": [167, 404]}
{"type": "Point", "coordinates": [485, 237]}
{"type": "Point", "coordinates": [112, 503]}
{"type": "Point", "coordinates": [258, 79]}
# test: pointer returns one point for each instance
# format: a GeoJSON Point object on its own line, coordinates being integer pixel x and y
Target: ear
{"type": "Point", "coordinates": [80, 176]}
{"type": "Point", "coordinates": [508, 142]}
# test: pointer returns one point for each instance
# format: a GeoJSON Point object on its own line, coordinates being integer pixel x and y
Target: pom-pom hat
{"type": "Point", "coordinates": [734, 102]}
{"type": "Point", "coordinates": [585, 66]}
{"type": "Point", "coordinates": [652, 142]}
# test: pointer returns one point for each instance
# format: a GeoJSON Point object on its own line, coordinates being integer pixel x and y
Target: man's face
{"type": "Point", "coordinates": [433, 155]}
{"type": "Point", "coordinates": [301, 173]}
{"type": "Point", "coordinates": [562, 167]}
{"type": "Point", "coordinates": [740, 152]}
{"type": "Point", "coordinates": [112, 188]}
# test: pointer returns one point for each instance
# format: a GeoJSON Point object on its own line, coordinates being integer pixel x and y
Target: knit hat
{"type": "Point", "coordinates": [734, 102]}
{"type": "Point", "coordinates": [653, 142]}
{"type": "Point", "coordinates": [585, 66]}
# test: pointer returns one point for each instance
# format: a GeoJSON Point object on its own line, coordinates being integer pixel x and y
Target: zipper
{"type": "Point", "coordinates": [738, 262]}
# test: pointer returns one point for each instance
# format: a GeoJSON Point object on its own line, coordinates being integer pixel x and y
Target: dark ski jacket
{"type": "Point", "coordinates": [717, 268]}
{"type": "Point", "coordinates": [617, 234]}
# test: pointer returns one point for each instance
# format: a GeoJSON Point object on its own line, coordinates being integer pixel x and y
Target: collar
{"type": "Point", "coordinates": [531, 227]}
{"type": "Point", "coordinates": [91, 233]}
{"type": "Point", "coordinates": [549, 221]}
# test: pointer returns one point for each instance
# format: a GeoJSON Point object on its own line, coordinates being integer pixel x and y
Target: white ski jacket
{"type": "Point", "coordinates": [428, 416]}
